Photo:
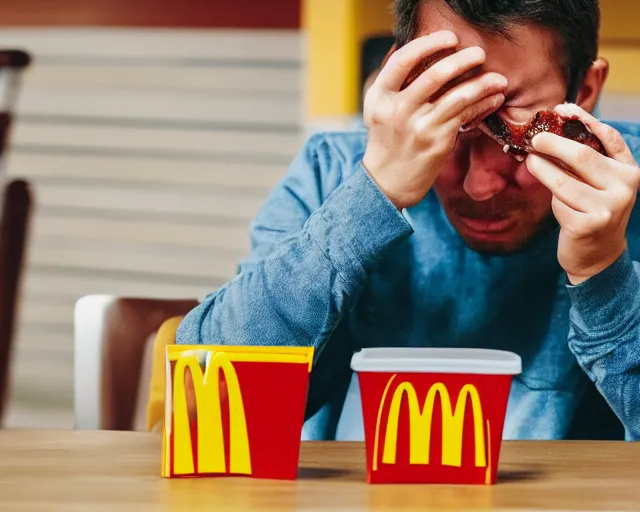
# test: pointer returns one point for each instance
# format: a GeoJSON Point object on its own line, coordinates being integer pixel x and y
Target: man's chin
{"type": "Point", "coordinates": [494, 247]}
{"type": "Point", "coordinates": [515, 240]}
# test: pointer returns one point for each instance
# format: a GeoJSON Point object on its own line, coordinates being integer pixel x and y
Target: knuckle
{"type": "Point", "coordinates": [634, 179]}
{"type": "Point", "coordinates": [419, 128]}
{"type": "Point", "coordinates": [475, 111]}
{"type": "Point", "coordinates": [613, 140]}
{"type": "Point", "coordinates": [440, 73]}
{"type": "Point", "coordinates": [404, 62]}
{"type": "Point", "coordinates": [603, 218]}
{"type": "Point", "coordinates": [375, 108]}
{"type": "Point", "coordinates": [459, 101]}
{"type": "Point", "coordinates": [624, 196]}
{"type": "Point", "coordinates": [377, 115]}
{"type": "Point", "coordinates": [586, 156]}
{"type": "Point", "coordinates": [400, 116]}
{"type": "Point", "coordinates": [401, 110]}
{"type": "Point", "coordinates": [561, 183]}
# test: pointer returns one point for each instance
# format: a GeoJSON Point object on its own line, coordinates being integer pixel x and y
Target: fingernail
{"type": "Point", "coordinates": [450, 38]}
{"type": "Point", "coordinates": [535, 140]}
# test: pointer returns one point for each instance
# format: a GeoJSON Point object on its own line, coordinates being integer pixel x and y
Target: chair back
{"type": "Point", "coordinates": [14, 223]}
{"type": "Point", "coordinates": [113, 348]}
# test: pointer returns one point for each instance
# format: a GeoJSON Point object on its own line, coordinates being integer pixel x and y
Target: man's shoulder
{"type": "Point", "coordinates": [631, 134]}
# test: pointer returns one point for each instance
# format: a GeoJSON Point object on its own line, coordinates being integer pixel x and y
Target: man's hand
{"type": "Point", "coordinates": [593, 207]}
{"type": "Point", "coordinates": [411, 134]}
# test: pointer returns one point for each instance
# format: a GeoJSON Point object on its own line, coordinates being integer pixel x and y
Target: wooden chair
{"type": "Point", "coordinates": [114, 343]}
{"type": "Point", "coordinates": [16, 213]}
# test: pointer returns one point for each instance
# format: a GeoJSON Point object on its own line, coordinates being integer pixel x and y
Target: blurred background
{"type": "Point", "coordinates": [151, 131]}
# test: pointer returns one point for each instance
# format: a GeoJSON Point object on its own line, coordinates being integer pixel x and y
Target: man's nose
{"type": "Point", "coordinates": [487, 165]}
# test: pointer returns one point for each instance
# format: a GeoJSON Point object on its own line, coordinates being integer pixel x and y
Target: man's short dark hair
{"type": "Point", "coordinates": [576, 22]}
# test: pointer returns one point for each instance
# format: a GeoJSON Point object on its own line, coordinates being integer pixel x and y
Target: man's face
{"type": "Point", "coordinates": [492, 200]}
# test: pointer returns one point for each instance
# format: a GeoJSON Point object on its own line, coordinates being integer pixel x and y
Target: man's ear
{"type": "Point", "coordinates": [592, 85]}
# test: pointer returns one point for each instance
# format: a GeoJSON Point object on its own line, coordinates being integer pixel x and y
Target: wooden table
{"type": "Point", "coordinates": [119, 471]}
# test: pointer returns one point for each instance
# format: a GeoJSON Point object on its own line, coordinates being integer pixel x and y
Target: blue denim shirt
{"type": "Point", "coordinates": [335, 265]}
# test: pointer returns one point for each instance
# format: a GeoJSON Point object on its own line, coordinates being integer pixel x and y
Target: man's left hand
{"type": "Point", "coordinates": [592, 206]}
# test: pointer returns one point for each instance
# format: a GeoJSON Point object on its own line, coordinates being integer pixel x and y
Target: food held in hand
{"type": "Point", "coordinates": [516, 138]}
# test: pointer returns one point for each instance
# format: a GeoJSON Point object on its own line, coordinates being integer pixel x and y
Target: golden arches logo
{"type": "Point", "coordinates": [420, 421]}
{"type": "Point", "coordinates": [211, 452]}
{"type": "Point", "coordinates": [177, 452]}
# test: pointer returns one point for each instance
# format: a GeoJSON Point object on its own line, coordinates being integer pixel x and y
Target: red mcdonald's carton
{"type": "Point", "coordinates": [233, 410]}
{"type": "Point", "coordinates": [434, 415]}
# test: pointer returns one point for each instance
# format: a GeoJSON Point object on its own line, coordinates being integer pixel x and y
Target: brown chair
{"type": "Point", "coordinates": [16, 213]}
{"type": "Point", "coordinates": [114, 339]}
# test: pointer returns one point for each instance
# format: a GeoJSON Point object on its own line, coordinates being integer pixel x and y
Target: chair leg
{"type": "Point", "coordinates": [16, 210]}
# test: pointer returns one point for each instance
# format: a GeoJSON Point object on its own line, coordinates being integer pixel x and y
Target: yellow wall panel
{"type": "Point", "coordinates": [624, 75]}
{"type": "Point", "coordinates": [620, 20]}
{"type": "Point", "coordinates": [335, 30]}
{"type": "Point", "coordinates": [374, 17]}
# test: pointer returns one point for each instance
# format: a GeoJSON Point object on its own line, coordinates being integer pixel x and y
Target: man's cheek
{"type": "Point", "coordinates": [525, 179]}
{"type": "Point", "coordinates": [454, 169]}
{"type": "Point", "coordinates": [538, 196]}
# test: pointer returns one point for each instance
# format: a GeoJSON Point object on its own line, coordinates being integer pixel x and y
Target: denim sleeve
{"type": "Point", "coordinates": [605, 337]}
{"type": "Point", "coordinates": [314, 243]}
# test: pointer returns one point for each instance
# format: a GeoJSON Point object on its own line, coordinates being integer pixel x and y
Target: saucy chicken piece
{"type": "Point", "coordinates": [516, 138]}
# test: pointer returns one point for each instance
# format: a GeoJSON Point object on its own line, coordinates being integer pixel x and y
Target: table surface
{"type": "Point", "coordinates": [100, 470]}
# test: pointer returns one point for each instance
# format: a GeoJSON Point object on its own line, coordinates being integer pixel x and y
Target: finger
{"type": "Point", "coordinates": [472, 115]}
{"type": "Point", "coordinates": [572, 192]}
{"type": "Point", "coordinates": [586, 162]}
{"type": "Point", "coordinates": [613, 142]}
{"type": "Point", "coordinates": [569, 219]}
{"type": "Point", "coordinates": [457, 101]}
{"type": "Point", "coordinates": [444, 71]}
{"type": "Point", "coordinates": [403, 60]}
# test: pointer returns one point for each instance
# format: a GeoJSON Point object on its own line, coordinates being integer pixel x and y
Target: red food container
{"type": "Point", "coordinates": [234, 411]}
{"type": "Point", "coordinates": [434, 415]}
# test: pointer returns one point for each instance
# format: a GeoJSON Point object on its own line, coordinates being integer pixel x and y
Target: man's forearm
{"type": "Point", "coordinates": [297, 293]}
{"type": "Point", "coordinates": [605, 337]}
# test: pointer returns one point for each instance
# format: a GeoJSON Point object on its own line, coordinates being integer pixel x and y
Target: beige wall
{"type": "Point", "coordinates": [620, 44]}
{"type": "Point", "coordinates": [150, 151]}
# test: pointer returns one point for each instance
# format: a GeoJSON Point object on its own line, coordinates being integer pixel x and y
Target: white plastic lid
{"type": "Point", "coordinates": [437, 360]}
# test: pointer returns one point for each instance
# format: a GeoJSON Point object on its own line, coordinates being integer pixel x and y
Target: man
{"type": "Point", "coordinates": [415, 234]}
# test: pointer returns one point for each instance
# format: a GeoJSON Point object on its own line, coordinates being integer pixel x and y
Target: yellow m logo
{"type": "Point", "coordinates": [211, 452]}
{"type": "Point", "coordinates": [420, 425]}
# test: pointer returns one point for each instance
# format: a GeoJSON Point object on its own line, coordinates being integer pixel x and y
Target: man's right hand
{"type": "Point", "coordinates": [411, 132]}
